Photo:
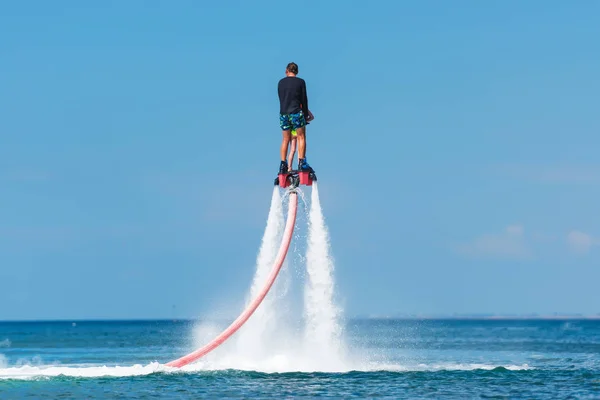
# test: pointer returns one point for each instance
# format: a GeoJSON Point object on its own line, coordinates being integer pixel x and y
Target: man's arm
{"type": "Point", "coordinates": [279, 91]}
{"type": "Point", "coordinates": [309, 116]}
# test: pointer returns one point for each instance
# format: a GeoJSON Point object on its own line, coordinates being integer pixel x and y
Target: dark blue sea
{"type": "Point", "coordinates": [449, 359]}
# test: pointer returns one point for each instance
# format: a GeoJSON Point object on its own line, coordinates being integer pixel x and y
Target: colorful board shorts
{"type": "Point", "coordinates": [292, 121]}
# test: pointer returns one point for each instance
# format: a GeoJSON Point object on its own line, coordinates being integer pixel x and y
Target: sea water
{"type": "Point", "coordinates": [393, 358]}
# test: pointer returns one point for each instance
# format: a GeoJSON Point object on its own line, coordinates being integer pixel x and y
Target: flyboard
{"type": "Point", "coordinates": [291, 181]}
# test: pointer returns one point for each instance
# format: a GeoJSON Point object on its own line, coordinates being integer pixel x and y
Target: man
{"type": "Point", "coordinates": [293, 105]}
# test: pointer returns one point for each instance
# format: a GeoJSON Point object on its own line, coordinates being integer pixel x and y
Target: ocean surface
{"type": "Point", "coordinates": [385, 358]}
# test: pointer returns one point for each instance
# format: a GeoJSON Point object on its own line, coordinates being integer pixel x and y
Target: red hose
{"type": "Point", "coordinates": [241, 320]}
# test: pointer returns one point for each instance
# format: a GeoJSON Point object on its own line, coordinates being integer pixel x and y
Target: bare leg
{"type": "Point", "coordinates": [285, 141]}
{"type": "Point", "coordinates": [301, 142]}
{"type": "Point", "coordinates": [292, 153]}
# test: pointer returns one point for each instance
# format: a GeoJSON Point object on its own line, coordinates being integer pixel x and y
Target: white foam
{"type": "Point", "coordinates": [29, 372]}
{"type": "Point", "coordinates": [275, 364]}
{"type": "Point", "coordinates": [435, 367]}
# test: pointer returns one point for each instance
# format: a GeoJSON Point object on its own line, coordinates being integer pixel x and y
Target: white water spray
{"type": "Point", "coordinates": [322, 316]}
{"type": "Point", "coordinates": [272, 338]}
{"type": "Point", "coordinates": [259, 331]}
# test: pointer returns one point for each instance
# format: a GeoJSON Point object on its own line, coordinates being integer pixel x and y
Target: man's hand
{"type": "Point", "coordinates": [310, 116]}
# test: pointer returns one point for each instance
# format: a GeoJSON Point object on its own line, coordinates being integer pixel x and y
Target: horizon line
{"type": "Point", "coordinates": [409, 317]}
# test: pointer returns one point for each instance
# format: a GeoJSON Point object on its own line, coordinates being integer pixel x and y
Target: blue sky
{"type": "Point", "coordinates": [139, 141]}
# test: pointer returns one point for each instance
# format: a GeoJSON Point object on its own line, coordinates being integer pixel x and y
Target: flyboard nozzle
{"type": "Point", "coordinates": [294, 180]}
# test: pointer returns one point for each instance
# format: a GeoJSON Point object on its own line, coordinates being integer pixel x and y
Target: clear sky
{"type": "Point", "coordinates": [456, 144]}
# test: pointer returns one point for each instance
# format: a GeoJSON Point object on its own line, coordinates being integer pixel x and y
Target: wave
{"type": "Point", "coordinates": [275, 365]}
{"type": "Point", "coordinates": [49, 371]}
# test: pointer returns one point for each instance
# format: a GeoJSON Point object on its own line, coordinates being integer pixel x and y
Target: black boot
{"type": "Point", "coordinates": [303, 165]}
{"type": "Point", "coordinates": [283, 168]}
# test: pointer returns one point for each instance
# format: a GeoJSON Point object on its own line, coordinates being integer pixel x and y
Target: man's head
{"type": "Point", "coordinates": [291, 69]}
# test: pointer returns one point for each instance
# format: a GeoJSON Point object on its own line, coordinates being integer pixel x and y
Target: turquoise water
{"type": "Point", "coordinates": [390, 359]}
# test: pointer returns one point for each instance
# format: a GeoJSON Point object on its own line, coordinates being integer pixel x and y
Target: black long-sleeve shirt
{"type": "Point", "coordinates": [292, 95]}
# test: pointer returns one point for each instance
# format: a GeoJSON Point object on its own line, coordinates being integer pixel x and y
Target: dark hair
{"type": "Point", "coordinates": [292, 67]}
